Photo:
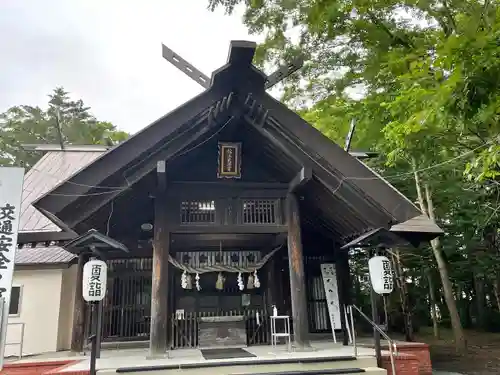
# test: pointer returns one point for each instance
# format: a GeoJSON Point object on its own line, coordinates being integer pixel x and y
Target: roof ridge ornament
{"type": "Point", "coordinates": [241, 52]}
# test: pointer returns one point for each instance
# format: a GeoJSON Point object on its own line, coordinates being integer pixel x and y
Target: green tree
{"type": "Point", "coordinates": [429, 75]}
{"type": "Point", "coordinates": [64, 120]}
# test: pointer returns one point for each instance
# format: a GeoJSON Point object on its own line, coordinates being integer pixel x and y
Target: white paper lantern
{"type": "Point", "coordinates": [381, 274]}
{"type": "Point", "coordinates": [94, 280]}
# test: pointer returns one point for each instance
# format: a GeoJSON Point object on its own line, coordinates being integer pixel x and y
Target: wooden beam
{"type": "Point", "coordinates": [241, 52]}
{"type": "Point", "coordinates": [328, 152]}
{"type": "Point", "coordinates": [270, 280]}
{"type": "Point", "coordinates": [185, 67]}
{"type": "Point", "coordinates": [27, 237]}
{"type": "Point", "coordinates": [142, 169]}
{"type": "Point", "coordinates": [126, 153]}
{"type": "Point", "coordinates": [232, 229]}
{"type": "Point", "coordinates": [297, 274]}
{"type": "Point", "coordinates": [205, 192]}
{"type": "Point", "coordinates": [231, 184]}
{"type": "Point", "coordinates": [78, 331]}
{"type": "Point", "coordinates": [302, 178]}
{"type": "Point", "coordinates": [284, 71]}
{"type": "Point", "coordinates": [343, 192]}
{"type": "Point", "coordinates": [159, 288]}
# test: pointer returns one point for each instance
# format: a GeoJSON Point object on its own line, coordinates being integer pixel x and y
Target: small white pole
{"type": "Point", "coordinates": [347, 325]}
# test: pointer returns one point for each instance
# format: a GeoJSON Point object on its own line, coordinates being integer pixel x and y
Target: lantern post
{"type": "Point", "coordinates": [94, 289]}
{"type": "Point", "coordinates": [381, 284]}
{"type": "Point", "coordinates": [375, 318]}
{"type": "Point", "coordinates": [376, 333]}
{"type": "Point", "coordinates": [381, 277]}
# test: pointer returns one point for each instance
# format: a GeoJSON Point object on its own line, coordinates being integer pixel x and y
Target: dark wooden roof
{"type": "Point", "coordinates": [344, 195]}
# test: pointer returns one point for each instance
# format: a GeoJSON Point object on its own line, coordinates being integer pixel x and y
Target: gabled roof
{"type": "Point", "coordinates": [42, 255]}
{"type": "Point", "coordinates": [237, 92]}
{"type": "Point", "coordinates": [55, 166]}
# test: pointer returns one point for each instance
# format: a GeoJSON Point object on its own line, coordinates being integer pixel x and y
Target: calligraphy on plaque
{"type": "Point", "coordinates": [229, 163]}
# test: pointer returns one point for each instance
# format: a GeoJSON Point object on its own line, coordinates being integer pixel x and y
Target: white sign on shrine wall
{"type": "Point", "coordinates": [94, 280]}
{"type": "Point", "coordinates": [329, 274]}
{"type": "Point", "coordinates": [381, 274]}
{"type": "Point", "coordinates": [11, 189]}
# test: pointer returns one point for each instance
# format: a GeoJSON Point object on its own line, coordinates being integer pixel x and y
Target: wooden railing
{"type": "Point", "coordinates": [185, 331]}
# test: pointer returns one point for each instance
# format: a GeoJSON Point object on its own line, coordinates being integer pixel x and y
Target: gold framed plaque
{"type": "Point", "coordinates": [229, 163]}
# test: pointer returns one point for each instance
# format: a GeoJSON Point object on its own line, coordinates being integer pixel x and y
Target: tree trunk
{"type": "Point", "coordinates": [432, 297]}
{"type": "Point", "coordinates": [496, 289]}
{"type": "Point", "coordinates": [403, 296]}
{"type": "Point", "coordinates": [456, 325]}
{"type": "Point", "coordinates": [428, 209]}
{"type": "Point", "coordinates": [480, 301]}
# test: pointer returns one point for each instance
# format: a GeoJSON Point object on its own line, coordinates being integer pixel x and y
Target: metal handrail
{"type": "Point", "coordinates": [392, 343]}
{"type": "Point", "coordinates": [21, 342]}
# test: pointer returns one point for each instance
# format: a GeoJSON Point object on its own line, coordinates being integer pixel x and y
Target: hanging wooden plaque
{"type": "Point", "coordinates": [229, 163]}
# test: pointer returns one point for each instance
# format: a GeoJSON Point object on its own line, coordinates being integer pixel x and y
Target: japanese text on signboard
{"type": "Point", "coordinates": [7, 218]}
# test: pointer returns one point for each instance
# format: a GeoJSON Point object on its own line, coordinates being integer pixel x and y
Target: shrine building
{"type": "Point", "coordinates": [214, 215]}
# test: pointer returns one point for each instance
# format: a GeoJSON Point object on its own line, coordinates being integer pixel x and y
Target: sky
{"type": "Point", "coordinates": [108, 53]}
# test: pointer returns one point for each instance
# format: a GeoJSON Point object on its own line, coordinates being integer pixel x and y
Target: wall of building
{"type": "Point", "coordinates": [39, 311]}
{"type": "Point", "coordinates": [68, 292]}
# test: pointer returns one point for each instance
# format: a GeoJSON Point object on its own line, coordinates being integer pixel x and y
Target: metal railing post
{"type": "Point", "coordinates": [353, 331]}
{"type": "Point", "coordinates": [21, 345]}
{"type": "Point", "coordinates": [391, 343]}
{"type": "Point", "coordinates": [21, 341]}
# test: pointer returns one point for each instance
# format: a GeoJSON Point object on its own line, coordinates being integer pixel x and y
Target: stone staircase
{"type": "Point", "coordinates": [304, 366]}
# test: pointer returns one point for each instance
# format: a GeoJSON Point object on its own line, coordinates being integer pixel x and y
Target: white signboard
{"type": "Point", "coordinates": [329, 274]}
{"type": "Point", "coordinates": [381, 274]}
{"type": "Point", "coordinates": [11, 189]}
{"type": "Point", "coordinates": [94, 280]}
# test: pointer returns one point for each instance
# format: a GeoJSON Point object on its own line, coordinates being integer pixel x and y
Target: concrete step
{"type": "Point", "coordinates": [375, 371]}
{"type": "Point", "coordinates": [350, 371]}
{"type": "Point", "coordinates": [323, 366]}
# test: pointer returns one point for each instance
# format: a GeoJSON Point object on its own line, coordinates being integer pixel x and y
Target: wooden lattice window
{"type": "Point", "coordinates": [260, 211]}
{"type": "Point", "coordinates": [198, 212]}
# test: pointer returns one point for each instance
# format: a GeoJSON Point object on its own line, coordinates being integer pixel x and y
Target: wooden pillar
{"type": "Point", "coordinates": [78, 331]}
{"type": "Point", "coordinates": [343, 276]}
{"type": "Point", "coordinates": [171, 305]}
{"type": "Point", "coordinates": [159, 289]}
{"type": "Point", "coordinates": [297, 275]}
{"type": "Point", "coordinates": [270, 286]}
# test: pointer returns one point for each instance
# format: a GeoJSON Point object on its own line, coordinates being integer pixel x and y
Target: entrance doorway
{"type": "Point", "coordinates": [127, 306]}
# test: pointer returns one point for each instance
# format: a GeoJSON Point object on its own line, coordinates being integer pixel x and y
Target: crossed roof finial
{"type": "Point", "coordinates": [241, 53]}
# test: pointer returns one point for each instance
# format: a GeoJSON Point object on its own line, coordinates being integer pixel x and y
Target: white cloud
{"type": "Point", "coordinates": [108, 53]}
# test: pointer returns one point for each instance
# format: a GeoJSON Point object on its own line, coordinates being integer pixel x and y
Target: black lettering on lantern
{"type": "Point", "coordinates": [387, 275]}
{"type": "Point", "coordinates": [95, 285]}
